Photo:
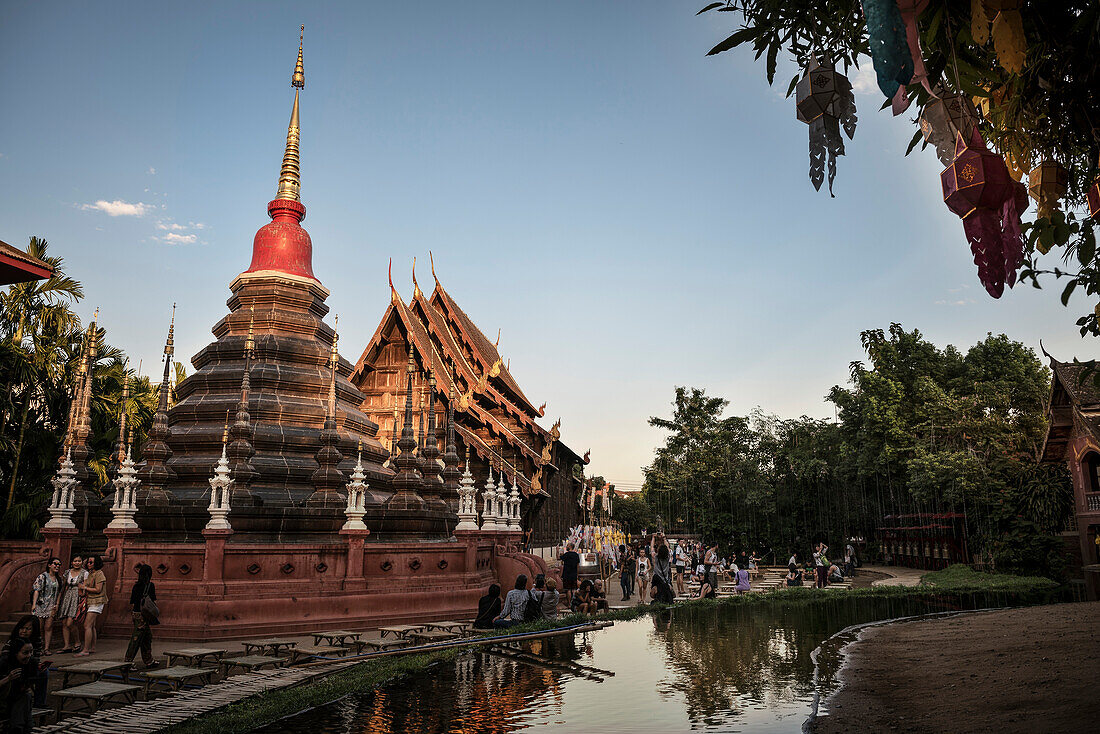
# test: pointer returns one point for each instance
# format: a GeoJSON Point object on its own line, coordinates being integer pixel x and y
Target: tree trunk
{"type": "Point", "coordinates": [18, 452]}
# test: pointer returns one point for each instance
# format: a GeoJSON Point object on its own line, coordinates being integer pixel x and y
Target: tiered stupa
{"type": "Point", "coordinates": [271, 368]}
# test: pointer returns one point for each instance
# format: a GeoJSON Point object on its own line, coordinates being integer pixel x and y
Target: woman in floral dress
{"type": "Point", "coordinates": [47, 589]}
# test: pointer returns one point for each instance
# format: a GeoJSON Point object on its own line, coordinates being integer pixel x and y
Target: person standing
{"type": "Point", "coordinates": [570, 563]}
{"type": "Point", "coordinates": [47, 590]}
{"type": "Point", "coordinates": [821, 566]}
{"type": "Point", "coordinates": [662, 571]}
{"type": "Point", "coordinates": [627, 569]}
{"type": "Point", "coordinates": [643, 573]}
{"type": "Point", "coordinates": [681, 559]}
{"type": "Point", "coordinates": [68, 609]}
{"type": "Point", "coordinates": [849, 560]}
{"type": "Point", "coordinates": [95, 590]}
{"type": "Point", "coordinates": [142, 636]}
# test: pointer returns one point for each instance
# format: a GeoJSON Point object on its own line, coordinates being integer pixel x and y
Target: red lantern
{"type": "Point", "coordinates": [1093, 197]}
{"type": "Point", "coordinates": [978, 188]}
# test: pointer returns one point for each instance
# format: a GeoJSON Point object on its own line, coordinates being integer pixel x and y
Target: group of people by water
{"type": "Point", "coordinates": [74, 599]}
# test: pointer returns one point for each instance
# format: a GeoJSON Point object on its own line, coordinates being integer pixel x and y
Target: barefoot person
{"type": "Point", "coordinates": [95, 590]}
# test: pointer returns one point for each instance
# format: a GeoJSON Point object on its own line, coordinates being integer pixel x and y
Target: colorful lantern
{"type": "Point", "coordinates": [978, 188]}
{"type": "Point", "coordinates": [889, 50]}
{"type": "Point", "coordinates": [1093, 199]}
{"type": "Point", "coordinates": [824, 101]}
{"type": "Point", "coordinates": [1047, 184]}
{"type": "Point", "coordinates": [1009, 40]}
{"type": "Point", "coordinates": [910, 11]}
{"type": "Point", "coordinates": [944, 119]}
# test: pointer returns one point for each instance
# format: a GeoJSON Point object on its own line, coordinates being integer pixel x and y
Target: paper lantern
{"type": "Point", "coordinates": [979, 189]}
{"type": "Point", "coordinates": [824, 101]}
{"type": "Point", "coordinates": [910, 11]}
{"type": "Point", "coordinates": [889, 50]}
{"type": "Point", "coordinates": [944, 119]}
{"type": "Point", "coordinates": [1047, 184]}
{"type": "Point", "coordinates": [1009, 40]}
{"type": "Point", "coordinates": [1093, 199]}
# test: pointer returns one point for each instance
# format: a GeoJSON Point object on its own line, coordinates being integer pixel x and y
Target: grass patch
{"type": "Point", "coordinates": [960, 577]}
{"type": "Point", "coordinates": [265, 708]}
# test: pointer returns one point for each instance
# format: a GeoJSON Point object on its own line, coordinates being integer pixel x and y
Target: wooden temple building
{"type": "Point", "coordinates": [496, 425]}
{"type": "Point", "coordinates": [1073, 437]}
{"type": "Point", "coordinates": [287, 488]}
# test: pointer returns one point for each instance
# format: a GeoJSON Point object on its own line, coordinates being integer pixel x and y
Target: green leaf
{"type": "Point", "coordinates": [736, 39]}
{"type": "Point", "coordinates": [913, 143]}
{"type": "Point", "coordinates": [773, 53]}
{"type": "Point", "coordinates": [712, 6]}
{"type": "Point", "coordinates": [1068, 292]}
{"type": "Point", "coordinates": [794, 83]}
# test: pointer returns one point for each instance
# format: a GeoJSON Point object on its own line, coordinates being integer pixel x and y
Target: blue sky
{"type": "Point", "coordinates": [631, 214]}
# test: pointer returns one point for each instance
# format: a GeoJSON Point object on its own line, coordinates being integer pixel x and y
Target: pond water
{"type": "Point", "coordinates": [724, 668]}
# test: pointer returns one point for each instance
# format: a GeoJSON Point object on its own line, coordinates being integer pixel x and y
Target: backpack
{"type": "Point", "coordinates": [149, 609]}
{"type": "Point", "coordinates": [533, 610]}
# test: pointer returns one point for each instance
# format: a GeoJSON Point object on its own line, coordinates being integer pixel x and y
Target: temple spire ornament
{"type": "Point", "coordinates": [220, 485]}
{"type": "Point", "coordinates": [357, 497]}
{"type": "Point", "coordinates": [242, 434]}
{"type": "Point", "coordinates": [408, 479]}
{"type": "Point", "coordinates": [282, 246]}
{"type": "Point", "coordinates": [467, 496]}
{"type": "Point", "coordinates": [451, 474]}
{"type": "Point", "coordinates": [429, 452]}
{"type": "Point", "coordinates": [155, 473]}
{"type": "Point", "coordinates": [328, 480]}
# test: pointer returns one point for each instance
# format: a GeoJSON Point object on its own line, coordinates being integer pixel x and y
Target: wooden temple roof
{"type": "Point", "coordinates": [1073, 407]}
{"type": "Point", "coordinates": [463, 368]}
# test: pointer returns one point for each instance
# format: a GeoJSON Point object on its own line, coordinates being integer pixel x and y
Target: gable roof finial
{"type": "Point", "coordinates": [416, 286]}
{"type": "Point", "coordinates": [290, 175]}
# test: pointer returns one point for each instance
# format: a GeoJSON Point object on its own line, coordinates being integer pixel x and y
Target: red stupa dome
{"type": "Point", "coordinates": [282, 244]}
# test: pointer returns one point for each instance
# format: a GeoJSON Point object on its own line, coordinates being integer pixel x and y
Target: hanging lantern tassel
{"type": "Point", "coordinates": [1009, 40]}
{"type": "Point", "coordinates": [1093, 199]}
{"type": "Point", "coordinates": [944, 119]}
{"type": "Point", "coordinates": [889, 50]}
{"type": "Point", "coordinates": [979, 189]}
{"type": "Point", "coordinates": [910, 11]}
{"type": "Point", "coordinates": [1047, 184]}
{"type": "Point", "coordinates": [824, 101]}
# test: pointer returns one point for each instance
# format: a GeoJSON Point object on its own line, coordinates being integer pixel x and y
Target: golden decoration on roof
{"type": "Point", "coordinates": [290, 175]}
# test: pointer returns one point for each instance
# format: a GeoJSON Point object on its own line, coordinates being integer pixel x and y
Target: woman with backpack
{"type": "Point", "coordinates": [144, 613]}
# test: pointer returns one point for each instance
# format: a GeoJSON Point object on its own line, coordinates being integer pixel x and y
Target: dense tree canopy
{"type": "Point", "coordinates": [920, 430]}
{"type": "Point", "coordinates": [40, 348]}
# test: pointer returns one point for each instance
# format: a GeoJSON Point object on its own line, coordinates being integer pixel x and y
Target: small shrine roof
{"type": "Point", "coordinates": [17, 266]}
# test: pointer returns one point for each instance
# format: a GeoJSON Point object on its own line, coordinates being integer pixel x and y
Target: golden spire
{"type": "Point", "coordinates": [290, 179]}
{"type": "Point", "coordinates": [416, 286]}
{"type": "Point", "coordinates": [169, 348]}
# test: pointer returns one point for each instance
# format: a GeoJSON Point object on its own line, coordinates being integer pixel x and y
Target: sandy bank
{"type": "Point", "coordinates": [1021, 670]}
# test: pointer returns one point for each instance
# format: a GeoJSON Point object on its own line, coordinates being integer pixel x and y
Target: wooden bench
{"type": "Point", "coordinates": [380, 645]}
{"type": "Point", "coordinates": [96, 669]}
{"type": "Point", "coordinates": [314, 650]}
{"type": "Point", "coordinates": [94, 695]}
{"type": "Point", "coordinates": [450, 625]}
{"type": "Point", "coordinates": [194, 656]}
{"type": "Point", "coordinates": [399, 630]}
{"type": "Point", "coordinates": [335, 637]}
{"type": "Point", "coordinates": [427, 636]}
{"type": "Point", "coordinates": [275, 644]}
{"type": "Point", "coordinates": [175, 677]}
{"type": "Point", "coordinates": [250, 663]}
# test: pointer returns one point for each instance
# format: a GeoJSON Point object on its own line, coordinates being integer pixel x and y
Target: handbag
{"type": "Point", "coordinates": [81, 609]}
{"type": "Point", "coordinates": [149, 609]}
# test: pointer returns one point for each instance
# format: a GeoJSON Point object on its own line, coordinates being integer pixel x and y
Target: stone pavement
{"type": "Point", "coordinates": [899, 575]}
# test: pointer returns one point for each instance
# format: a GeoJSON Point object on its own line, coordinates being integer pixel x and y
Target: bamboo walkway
{"type": "Point", "coordinates": [145, 717]}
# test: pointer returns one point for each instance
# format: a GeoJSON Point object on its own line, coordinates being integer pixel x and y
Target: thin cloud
{"type": "Point", "coordinates": [864, 81]}
{"type": "Point", "coordinates": [152, 171]}
{"type": "Point", "coordinates": [180, 239]}
{"type": "Point", "coordinates": [171, 226]}
{"type": "Point", "coordinates": [118, 208]}
{"type": "Point", "coordinates": [964, 302]}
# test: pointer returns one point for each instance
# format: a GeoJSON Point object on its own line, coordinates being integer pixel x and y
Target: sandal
{"type": "Point", "coordinates": [82, 654]}
{"type": "Point", "coordinates": [65, 651]}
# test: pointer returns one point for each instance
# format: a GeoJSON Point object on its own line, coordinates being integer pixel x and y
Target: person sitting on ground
{"type": "Point", "coordinates": [17, 673]}
{"type": "Point", "coordinates": [794, 578]}
{"type": "Point", "coordinates": [28, 629]}
{"type": "Point", "coordinates": [488, 607]}
{"type": "Point", "coordinates": [599, 598]}
{"type": "Point", "coordinates": [582, 602]}
{"type": "Point", "coordinates": [743, 582]}
{"type": "Point", "coordinates": [550, 600]}
{"type": "Point", "coordinates": [515, 604]}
